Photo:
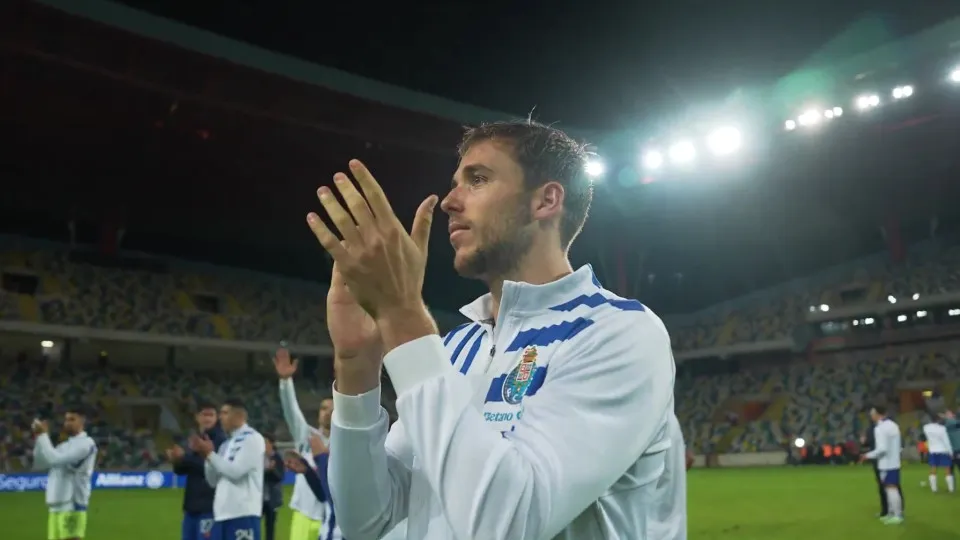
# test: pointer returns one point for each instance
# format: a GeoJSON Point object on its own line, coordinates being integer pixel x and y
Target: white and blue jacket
{"type": "Point", "coordinates": [236, 473]}
{"type": "Point", "coordinates": [553, 423]}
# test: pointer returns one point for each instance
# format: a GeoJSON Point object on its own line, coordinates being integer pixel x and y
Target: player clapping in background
{"type": "Point", "coordinates": [70, 465]}
{"type": "Point", "coordinates": [939, 454]}
{"type": "Point", "coordinates": [198, 494]}
{"type": "Point", "coordinates": [310, 515]}
{"type": "Point", "coordinates": [236, 471]}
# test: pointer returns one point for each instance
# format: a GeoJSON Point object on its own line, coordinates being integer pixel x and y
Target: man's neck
{"type": "Point", "coordinates": [537, 268]}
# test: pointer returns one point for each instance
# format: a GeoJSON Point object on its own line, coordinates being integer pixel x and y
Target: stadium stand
{"type": "Point", "coordinates": [773, 314]}
{"type": "Point", "coordinates": [143, 403]}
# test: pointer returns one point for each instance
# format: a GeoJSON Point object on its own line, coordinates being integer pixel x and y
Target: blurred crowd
{"type": "Point", "coordinates": [772, 314]}
{"type": "Point", "coordinates": [140, 409]}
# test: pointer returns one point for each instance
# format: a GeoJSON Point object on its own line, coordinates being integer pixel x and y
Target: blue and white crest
{"type": "Point", "coordinates": [517, 382]}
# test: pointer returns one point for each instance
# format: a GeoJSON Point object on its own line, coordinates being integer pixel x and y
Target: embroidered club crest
{"type": "Point", "coordinates": [519, 379]}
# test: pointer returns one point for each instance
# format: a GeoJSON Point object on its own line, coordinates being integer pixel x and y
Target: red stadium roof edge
{"type": "Point", "coordinates": [237, 52]}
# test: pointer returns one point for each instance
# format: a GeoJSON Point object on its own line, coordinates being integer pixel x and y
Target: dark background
{"type": "Point", "coordinates": [207, 160]}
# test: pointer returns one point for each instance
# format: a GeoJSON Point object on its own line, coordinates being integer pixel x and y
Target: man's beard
{"type": "Point", "coordinates": [501, 255]}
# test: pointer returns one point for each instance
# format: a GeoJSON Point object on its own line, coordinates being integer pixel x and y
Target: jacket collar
{"type": "Point", "coordinates": [519, 297]}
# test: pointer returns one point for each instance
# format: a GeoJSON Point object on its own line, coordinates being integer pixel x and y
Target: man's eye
{"type": "Point", "coordinates": [478, 179]}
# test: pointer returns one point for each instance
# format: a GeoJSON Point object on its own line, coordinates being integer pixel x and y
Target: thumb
{"type": "Point", "coordinates": [420, 231]}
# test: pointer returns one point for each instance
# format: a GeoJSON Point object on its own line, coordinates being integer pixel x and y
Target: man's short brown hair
{"type": "Point", "coordinates": [544, 154]}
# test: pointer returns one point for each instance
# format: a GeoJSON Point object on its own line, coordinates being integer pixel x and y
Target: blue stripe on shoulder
{"type": "Point", "coordinates": [541, 337]}
{"type": "Point", "coordinates": [471, 354]}
{"type": "Point", "coordinates": [598, 299]}
{"type": "Point", "coordinates": [450, 334]}
{"type": "Point", "coordinates": [463, 343]}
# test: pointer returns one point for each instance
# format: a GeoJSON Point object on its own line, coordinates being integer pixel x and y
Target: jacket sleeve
{"type": "Point", "coordinates": [880, 442]}
{"type": "Point", "coordinates": [276, 473]}
{"type": "Point", "coordinates": [67, 454]}
{"type": "Point", "coordinates": [317, 479]}
{"type": "Point", "coordinates": [190, 463]}
{"type": "Point", "coordinates": [369, 468]}
{"type": "Point", "coordinates": [292, 415]}
{"type": "Point", "coordinates": [244, 459]}
{"type": "Point", "coordinates": [210, 473]}
{"type": "Point", "coordinates": [614, 382]}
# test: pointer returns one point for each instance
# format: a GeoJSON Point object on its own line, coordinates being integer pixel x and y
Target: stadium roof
{"type": "Point", "coordinates": [207, 43]}
{"type": "Point", "coordinates": [203, 157]}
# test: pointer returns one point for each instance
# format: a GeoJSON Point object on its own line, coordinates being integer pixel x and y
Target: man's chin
{"type": "Point", "coordinates": [463, 264]}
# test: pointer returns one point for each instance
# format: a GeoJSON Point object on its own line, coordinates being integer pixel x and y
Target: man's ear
{"type": "Point", "coordinates": [548, 202]}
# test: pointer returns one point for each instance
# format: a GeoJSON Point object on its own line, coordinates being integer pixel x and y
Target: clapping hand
{"type": "Point", "coordinates": [175, 453]}
{"type": "Point", "coordinates": [201, 445]}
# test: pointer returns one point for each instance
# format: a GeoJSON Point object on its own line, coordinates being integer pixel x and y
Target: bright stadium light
{"type": "Point", "coordinates": [809, 118]}
{"type": "Point", "coordinates": [837, 112]}
{"type": "Point", "coordinates": [955, 75]}
{"type": "Point", "coordinates": [652, 159]}
{"type": "Point", "coordinates": [868, 101]}
{"type": "Point", "coordinates": [902, 92]}
{"type": "Point", "coordinates": [595, 168]}
{"type": "Point", "coordinates": [682, 152]}
{"type": "Point", "coordinates": [46, 344]}
{"type": "Point", "coordinates": [790, 125]}
{"type": "Point", "coordinates": [724, 141]}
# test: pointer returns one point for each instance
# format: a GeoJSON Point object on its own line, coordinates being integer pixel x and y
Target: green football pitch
{"type": "Point", "coordinates": [823, 503]}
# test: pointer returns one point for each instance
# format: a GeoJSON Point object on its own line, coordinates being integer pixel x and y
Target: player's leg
{"type": "Point", "coordinates": [304, 528]}
{"type": "Point", "coordinates": [188, 528]}
{"type": "Point", "coordinates": [269, 522]}
{"type": "Point", "coordinates": [932, 477]}
{"type": "Point", "coordinates": [944, 463]}
{"type": "Point", "coordinates": [76, 525]}
{"type": "Point", "coordinates": [53, 526]}
{"type": "Point", "coordinates": [883, 494]}
{"type": "Point", "coordinates": [66, 525]}
{"type": "Point", "coordinates": [313, 531]}
{"type": "Point", "coordinates": [891, 484]}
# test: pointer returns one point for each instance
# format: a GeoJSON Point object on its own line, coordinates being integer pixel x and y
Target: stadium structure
{"type": "Point", "coordinates": [154, 254]}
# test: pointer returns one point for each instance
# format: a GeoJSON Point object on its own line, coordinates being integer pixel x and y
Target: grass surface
{"type": "Point", "coordinates": [822, 503]}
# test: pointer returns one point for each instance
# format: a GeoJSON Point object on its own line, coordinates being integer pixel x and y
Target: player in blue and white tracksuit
{"type": "Point", "coordinates": [552, 424]}
{"type": "Point", "coordinates": [236, 472]}
{"type": "Point", "coordinates": [887, 453]}
{"type": "Point", "coordinates": [940, 454]}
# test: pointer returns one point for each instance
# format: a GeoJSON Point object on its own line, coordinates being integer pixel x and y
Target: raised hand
{"type": "Point", "coordinates": [284, 364]}
{"type": "Point", "coordinates": [352, 330]}
{"type": "Point", "coordinates": [382, 264]}
{"type": "Point", "coordinates": [201, 445]}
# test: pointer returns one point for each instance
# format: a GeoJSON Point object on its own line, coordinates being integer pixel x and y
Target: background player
{"type": "Point", "coordinates": [939, 454]}
{"type": "Point", "coordinates": [198, 494]}
{"type": "Point", "coordinates": [272, 487]}
{"type": "Point", "coordinates": [887, 453]}
{"type": "Point", "coordinates": [953, 431]}
{"type": "Point", "coordinates": [237, 474]}
{"type": "Point", "coordinates": [311, 516]}
{"type": "Point", "coordinates": [70, 469]}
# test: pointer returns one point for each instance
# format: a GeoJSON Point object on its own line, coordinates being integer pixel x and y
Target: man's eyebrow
{"type": "Point", "coordinates": [470, 170]}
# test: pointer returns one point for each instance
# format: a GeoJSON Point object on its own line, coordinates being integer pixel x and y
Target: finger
{"type": "Point", "coordinates": [355, 202]}
{"type": "Point", "coordinates": [420, 231]}
{"type": "Point", "coordinates": [327, 239]}
{"type": "Point", "coordinates": [341, 219]}
{"type": "Point", "coordinates": [372, 191]}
